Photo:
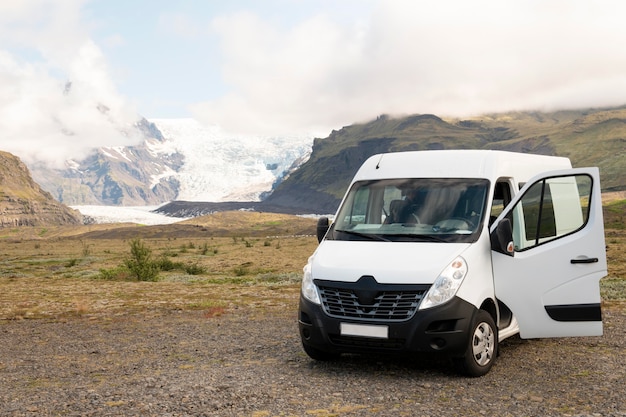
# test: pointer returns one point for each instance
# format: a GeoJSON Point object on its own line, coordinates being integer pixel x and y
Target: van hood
{"type": "Point", "coordinates": [387, 262]}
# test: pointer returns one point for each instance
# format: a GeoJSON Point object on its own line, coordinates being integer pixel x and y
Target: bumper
{"type": "Point", "coordinates": [442, 329]}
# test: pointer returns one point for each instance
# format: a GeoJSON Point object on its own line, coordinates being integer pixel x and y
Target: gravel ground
{"type": "Point", "coordinates": [248, 364]}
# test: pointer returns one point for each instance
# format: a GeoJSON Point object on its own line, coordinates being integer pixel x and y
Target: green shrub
{"type": "Point", "coordinates": [241, 270]}
{"type": "Point", "coordinates": [166, 264]}
{"type": "Point", "coordinates": [121, 273]}
{"type": "Point", "coordinates": [72, 262]}
{"type": "Point", "coordinates": [86, 249]}
{"type": "Point", "coordinates": [140, 263]}
{"type": "Point", "coordinates": [205, 249]}
{"type": "Point", "coordinates": [195, 269]}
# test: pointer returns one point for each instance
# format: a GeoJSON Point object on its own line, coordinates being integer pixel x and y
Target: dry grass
{"type": "Point", "coordinates": [613, 286]}
{"type": "Point", "coordinates": [247, 260]}
{"type": "Point", "coordinates": [55, 273]}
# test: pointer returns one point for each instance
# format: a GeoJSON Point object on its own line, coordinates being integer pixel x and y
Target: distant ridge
{"type": "Point", "coordinates": [590, 137]}
{"type": "Point", "coordinates": [303, 182]}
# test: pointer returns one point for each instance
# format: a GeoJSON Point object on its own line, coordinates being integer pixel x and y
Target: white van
{"type": "Point", "coordinates": [454, 251]}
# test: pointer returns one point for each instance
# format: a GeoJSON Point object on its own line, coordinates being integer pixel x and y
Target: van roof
{"type": "Point", "coordinates": [466, 163]}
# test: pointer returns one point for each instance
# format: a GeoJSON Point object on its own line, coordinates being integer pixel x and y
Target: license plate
{"type": "Point", "coordinates": [364, 330]}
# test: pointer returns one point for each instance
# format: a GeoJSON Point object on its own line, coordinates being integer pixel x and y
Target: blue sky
{"type": "Point", "coordinates": [168, 54]}
{"type": "Point", "coordinates": [165, 52]}
{"type": "Point", "coordinates": [293, 66]}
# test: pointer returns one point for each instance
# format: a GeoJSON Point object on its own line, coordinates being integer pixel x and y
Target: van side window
{"type": "Point", "coordinates": [501, 198]}
{"type": "Point", "coordinates": [550, 209]}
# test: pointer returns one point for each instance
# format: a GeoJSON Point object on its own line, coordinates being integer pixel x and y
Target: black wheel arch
{"type": "Point", "coordinates": [490, 307]}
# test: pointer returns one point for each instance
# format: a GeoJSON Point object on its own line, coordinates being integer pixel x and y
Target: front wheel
{"type": "Point", "coordinates": [482, 346]}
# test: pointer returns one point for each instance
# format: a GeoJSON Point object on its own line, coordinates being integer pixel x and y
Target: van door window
{"type": "Point", "coordinates": [550, 209]}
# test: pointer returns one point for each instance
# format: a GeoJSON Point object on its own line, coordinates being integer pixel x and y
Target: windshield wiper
{"type": "Point", "coordinates": [418, 236]}
{"type": "Point", "coordinates": [370, 236]}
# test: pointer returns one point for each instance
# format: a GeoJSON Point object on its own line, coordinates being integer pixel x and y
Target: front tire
{"type": "Point", "coordinates": [482, 346]}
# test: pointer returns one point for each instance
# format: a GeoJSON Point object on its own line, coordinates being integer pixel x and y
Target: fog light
{"type": "Point", "coordinates": [437, 343]}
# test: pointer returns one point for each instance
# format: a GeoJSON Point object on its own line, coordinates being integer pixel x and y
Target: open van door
{"type": "Point", "coordinates": [549, 275]}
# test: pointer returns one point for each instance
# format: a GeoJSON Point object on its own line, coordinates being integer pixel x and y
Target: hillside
{"type": "Point", "coordinates": [24, 203]}
{"type": "Point", "coordinates": [592, 137]}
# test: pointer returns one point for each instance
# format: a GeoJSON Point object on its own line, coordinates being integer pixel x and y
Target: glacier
{"type": "Point", "coordinates": [218, 167]}
{"type": "Point", "coordinates": [226, 167]}
{"type": "Point", "coordinates": [126, 214]}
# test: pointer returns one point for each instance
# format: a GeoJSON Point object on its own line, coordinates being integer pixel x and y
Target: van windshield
{"type": "Point", "coordinates": [416, 209]}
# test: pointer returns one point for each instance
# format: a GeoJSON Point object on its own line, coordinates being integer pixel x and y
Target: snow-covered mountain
{"type": "Point", "coordinates": [179, 159]}
{"type": "Point", "coordinates": [220, 167]}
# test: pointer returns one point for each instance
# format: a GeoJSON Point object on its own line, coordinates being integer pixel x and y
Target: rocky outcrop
{"type": "Point", "coordinates": [24, 203]}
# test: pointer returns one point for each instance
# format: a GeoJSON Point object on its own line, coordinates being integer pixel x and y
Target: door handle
{"type": "Point", "coordinates": [584, 260]}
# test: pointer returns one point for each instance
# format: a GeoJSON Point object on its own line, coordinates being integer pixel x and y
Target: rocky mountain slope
{"type": "Point", "coordinates": [24, 203]}
{"type": "Point", "coordinates": [592, 137]}
{"type": "Point", "coordinates": [143, 174]}
{"type": "Point", "coordinates": [176, 159]}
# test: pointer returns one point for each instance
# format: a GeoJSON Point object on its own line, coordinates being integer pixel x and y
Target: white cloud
{"type": "Point", "coordinates": [450, 57]}
{"type": "Point", "coordinates": [292, 66]}
{"type": "Point", "coordinates": [40, 117]}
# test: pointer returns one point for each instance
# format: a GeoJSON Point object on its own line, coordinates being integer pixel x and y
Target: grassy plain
{"type": "Point", "coordinates": [250, 259]}
{"type": "Point", "coordinates": [224, 262]}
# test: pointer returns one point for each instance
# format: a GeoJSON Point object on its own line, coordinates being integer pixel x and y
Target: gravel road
{"type": "Point", "coordinates": [246, 363]}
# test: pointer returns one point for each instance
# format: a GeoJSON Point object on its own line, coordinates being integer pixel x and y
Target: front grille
{"type": "Point", "coordinates": [382, 303]}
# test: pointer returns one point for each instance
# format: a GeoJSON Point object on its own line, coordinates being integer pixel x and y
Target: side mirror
{"type": "Point", "coordinates": [502, 238]}
{"type": "Point", "coordinates": [322, 227]}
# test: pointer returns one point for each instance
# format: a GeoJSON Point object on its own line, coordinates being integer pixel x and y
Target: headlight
{"type": "Point", "coordinates": [446, 284]}
{"type": "Point", "coordinates": [309, 290]}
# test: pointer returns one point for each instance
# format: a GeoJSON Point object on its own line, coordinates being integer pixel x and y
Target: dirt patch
{"type": "Point", "coordinates": [226, 343]}
{"type": "Point", "coordinates": [248, 362]}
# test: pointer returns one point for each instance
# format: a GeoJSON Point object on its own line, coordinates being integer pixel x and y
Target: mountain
{"type": "Point", "coordinates": [178, 159]}
{"type": "Point", "coordinates": [24, 203]}
{"type": "Point", "coordinates": [222, 167]}
{"type": "Point", "coordinates": [205, 170]}
{"type": "Point", "coordinates": [591, 137]}
{"type": "Point", "coordinates": [123, 175]}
